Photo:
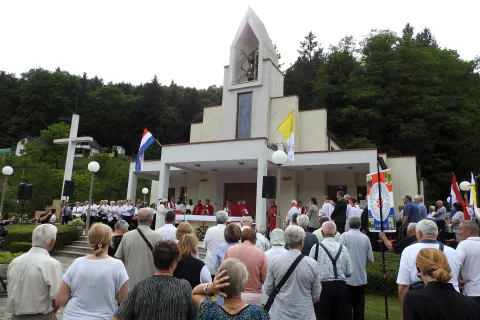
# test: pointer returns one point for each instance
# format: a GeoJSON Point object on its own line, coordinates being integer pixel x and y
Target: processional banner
{"type": "Point", "coordinates": [375, 188]}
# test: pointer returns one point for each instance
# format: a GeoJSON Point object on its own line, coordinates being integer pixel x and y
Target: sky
{"type": "Point", "coordinates": [189, 41]}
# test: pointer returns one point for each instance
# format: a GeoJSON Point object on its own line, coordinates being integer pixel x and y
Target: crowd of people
{"type": "Point", "coordinates": [315, 268]}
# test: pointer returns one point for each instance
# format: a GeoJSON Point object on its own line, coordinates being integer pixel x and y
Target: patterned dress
{"type": "Point", "coordinates": [209, 310]}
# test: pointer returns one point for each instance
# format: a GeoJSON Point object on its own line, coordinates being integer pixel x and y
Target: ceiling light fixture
{"type": "Point", "coordinates": [197, 165]}
{"type": "Point", "coordinates": [241, 163]}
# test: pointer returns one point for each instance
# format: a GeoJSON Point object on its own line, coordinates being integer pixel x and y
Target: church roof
{"type": "Point", "coordinates": [252, 17]}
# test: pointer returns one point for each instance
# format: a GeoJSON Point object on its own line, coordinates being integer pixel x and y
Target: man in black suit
{"type": "Point", "coordinates": [339, 214]}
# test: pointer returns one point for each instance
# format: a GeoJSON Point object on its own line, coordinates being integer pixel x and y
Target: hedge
{"type": "Point", "coordinates": [23, 233]}
{"type": "Point", "coordinates": [6, 257]}
{"type": "Point", "coordinates": [376, 281]}
{"type": "Point", "coordinates": [20, 247]}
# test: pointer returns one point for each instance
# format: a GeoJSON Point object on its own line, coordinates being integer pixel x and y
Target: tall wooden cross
{"type": "Point", "coordinates": [72, 142]}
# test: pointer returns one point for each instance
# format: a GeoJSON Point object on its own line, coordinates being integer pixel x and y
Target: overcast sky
{"type": "Point", "coordinates": [189, 41]}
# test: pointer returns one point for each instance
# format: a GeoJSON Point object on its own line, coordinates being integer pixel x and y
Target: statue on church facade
{"type": "Point", "coordinates": [248, 66]}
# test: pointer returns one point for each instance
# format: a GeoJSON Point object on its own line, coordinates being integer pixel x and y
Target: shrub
{"type": "Point", "coordinates": [376, 281]}
{"type": "Point", "coordinates": [20, 247]}
{"type": "Point", "coordinates": [23, 233]}
{"type": "Point", "coordinates": [6, 257]}
{"type": "Point", "coordinates": [77, 222]}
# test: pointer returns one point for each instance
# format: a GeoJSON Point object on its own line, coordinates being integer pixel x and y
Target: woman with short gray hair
{"type": "Point", "coordinates": [121, 227]}
{"type": "Point", "coordinates": [228, 283]}
{"type": "Point", "coordinates": [303, 284]}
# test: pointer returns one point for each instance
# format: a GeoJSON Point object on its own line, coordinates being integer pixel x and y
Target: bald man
{"type": "Point", "coordinates": [136, 247]}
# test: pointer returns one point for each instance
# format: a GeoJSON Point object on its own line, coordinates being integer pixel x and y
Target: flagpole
{"type": "Point", "coordinates": [158, 142]}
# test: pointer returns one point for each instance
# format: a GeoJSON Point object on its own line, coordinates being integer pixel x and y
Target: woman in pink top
{"type": "Point", "coordinates": [256, 262]}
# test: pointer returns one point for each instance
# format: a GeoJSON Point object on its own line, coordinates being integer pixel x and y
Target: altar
{"type": "Point", "coordinates": [203, 220]}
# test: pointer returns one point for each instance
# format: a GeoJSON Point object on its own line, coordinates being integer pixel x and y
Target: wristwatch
{"type": "Point", "coordinates": [205, 289]}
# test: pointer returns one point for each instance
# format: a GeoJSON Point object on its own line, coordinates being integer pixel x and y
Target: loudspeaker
{"type": "Point", "coordinates": [25, 191]}
{"type": "Point", "coordinates": [269, 189]}
{"type": "Point", "coordinates": [68, 189]}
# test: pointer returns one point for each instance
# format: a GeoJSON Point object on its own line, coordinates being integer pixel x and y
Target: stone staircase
{"type": "Point", "coordinates": [81, 247]}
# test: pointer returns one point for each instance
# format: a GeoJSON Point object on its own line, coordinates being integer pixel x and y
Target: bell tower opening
{"type": "Point", "coordinates": [246, 56]}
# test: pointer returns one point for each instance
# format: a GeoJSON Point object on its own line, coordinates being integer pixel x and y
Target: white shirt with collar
{"type": "Point", "coordinates": [291, 212]}
{"type": "Point", "coordinates": [168, 232]}
{"type": "Point", "coordinates": [468, 256]}
{"type": "Point", "coordinates": [327, 208]}
{"type": "Point", "coordinates": [214, 237]}
{"type": "Point", "coordinates": [33, 282]}
{"type": "Point", "coordinates": [127, 210]}
{"type": "Point", "coordinates": [77, 211]}
{"type": "Point", "coordinates": [407, 272]}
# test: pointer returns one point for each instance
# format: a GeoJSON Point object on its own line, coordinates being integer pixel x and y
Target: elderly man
{"type": "Point", "coordinates": [262, 242]}
{"type": "Point", "coordinates": [294, 299]}
{"type": "Point", "coordinates": [47, 216]}
{"type": "Point", "coordinates": [360, 251]}
{"type": "Point", "coordinates": [214, 237]}
{"type": "Point", "coordinates": [468, 256]}
{"type": "Point", "coordinates": [310, 238]}
{"type": "Point", "coordinates": [168, 231]}
{"type": "Point", "coordinates": [407, 278]}
{"type": "Point", "coordinates": [319, 234]}
{"type": "Point", "coordinates": [439, 218]}
{"type": "Point", "coordinates": [422, 209]}
{"type": "Point", "coordinates": [34, 278]}
{"type": "Point", "coordinates": [410, 213]}
{"type": "Point", "coordinates": [335, 266]}
{"type": "Point", "coordinates": [402, 244]}
{"type": "Point", "coordinates": [293, 210]}
{"type": "Point", "coordinates": [339, 214]}
{"type": "Point", "coordinates": [136, 248]}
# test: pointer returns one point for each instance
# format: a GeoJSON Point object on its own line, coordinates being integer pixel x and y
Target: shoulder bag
{"type": "Point", "coordinates": [145, 239]}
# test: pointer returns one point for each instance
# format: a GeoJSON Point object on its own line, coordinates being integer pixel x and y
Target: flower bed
{"type": "Point", "coordinates": [200, 232]}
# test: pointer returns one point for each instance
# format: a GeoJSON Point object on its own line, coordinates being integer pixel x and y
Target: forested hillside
{"type": "Point", "coordinates": [403, 93]}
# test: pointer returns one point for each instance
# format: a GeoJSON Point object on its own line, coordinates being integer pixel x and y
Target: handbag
{"type": "Point", "coordinates": [287, 275]}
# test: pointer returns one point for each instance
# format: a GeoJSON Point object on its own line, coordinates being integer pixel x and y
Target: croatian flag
{"type": "Point", "coordinates": [147, 140]}
{"type": "Point", "coordinates": [456, 196]}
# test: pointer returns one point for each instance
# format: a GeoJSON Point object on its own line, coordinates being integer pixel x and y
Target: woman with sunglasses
{"type": "Point", "coordinates": [438, 300]}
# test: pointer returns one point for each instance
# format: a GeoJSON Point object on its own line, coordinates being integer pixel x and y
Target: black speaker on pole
{"type": "Point", "coordinates": [25, 191]}
{"type": "Point", "coordinates": [269, 190]}
{"type": "Point", "coordinates": [68, 189]}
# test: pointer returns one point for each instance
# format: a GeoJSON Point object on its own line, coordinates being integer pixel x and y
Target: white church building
{"type": "Point", "coordinates": [230, 151]}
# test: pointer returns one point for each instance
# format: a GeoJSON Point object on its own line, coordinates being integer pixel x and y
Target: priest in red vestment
{"type": "Point", "coordinates": [207, 208]}
{"type": "Point", "coordinates": [272, 215]}
{"type": "Point", "coordinates": [244, 208]}
{"type": "Point", "coordinates": [197, 210]}
{"type": "Point", "coordinates": [302, 209]}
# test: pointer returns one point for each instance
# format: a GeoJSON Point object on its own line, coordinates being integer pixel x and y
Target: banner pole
{"type": "Point", "coordinates": [383, 248]}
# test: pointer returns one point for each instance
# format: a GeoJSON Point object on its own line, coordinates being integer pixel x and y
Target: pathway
{"type": "Point", "coordinates": [64, 261]}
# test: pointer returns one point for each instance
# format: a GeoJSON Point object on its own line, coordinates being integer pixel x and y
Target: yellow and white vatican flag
{"type": "Point", "coordinates": [473, 198]}
{"type": "Point", "coordinates": [287, 130]}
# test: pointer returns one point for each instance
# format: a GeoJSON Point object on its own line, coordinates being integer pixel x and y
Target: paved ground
{"type": "Point", "coordinates": [66, 262]}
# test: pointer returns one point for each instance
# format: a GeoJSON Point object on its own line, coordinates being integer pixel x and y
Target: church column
{"type": "Point", "coordinates": [132, 184]}
{"type": "Point", "coordinates": [163, 182]}
{"type": "Point", "coordinates": [261, 207]}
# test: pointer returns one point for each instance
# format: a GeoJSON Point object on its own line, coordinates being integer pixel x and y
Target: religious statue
{"type": "Point", "coordinates": [248, 66]}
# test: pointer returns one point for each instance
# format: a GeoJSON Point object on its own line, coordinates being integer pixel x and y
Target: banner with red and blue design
{"type": "Point", "coordinates": [376, 187]}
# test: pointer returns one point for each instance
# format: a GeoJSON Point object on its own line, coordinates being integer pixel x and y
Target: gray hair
{"type": "Point", "coordinates": [431, 207]}
{"type": "Point", "coordinates": [418, 198]}
{"type": "Point", "coordinates": [247, 220]}
{"type": "Point", "coordinates": [347, 197]}
{"type": "Point", "coordinates": [412, 228]}
{"type": "Point", "coordinates": [355, 222]}
{"type": "Point", "coordinates": [145, 215]}
{"type": "Point", "coordinates": [302, 221]}
{"type": "Point", "coordinates": [294, 235]}
{"type": "Point", "coordinates": [43, 235]}
{"type": "Point", "coordinates": [222, 217]}
{"type": "Point", "coordinates": [294, 202]}
{"type": "Point", "coordinates": [439, 201]}
{"type": "Point", "coordinates": [329, 228]}
{"type": "Point", "coordinates": [238, 276]}
{"type": "Point", "coordinates": [261, 229]}
{"type": "Point", "coordinates": [426, 226]}
{"type": "Point", "coordinates": [121, 225]}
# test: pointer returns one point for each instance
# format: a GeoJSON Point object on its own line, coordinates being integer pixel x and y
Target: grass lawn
{"type": "Point", "coordinates": [375, 307]}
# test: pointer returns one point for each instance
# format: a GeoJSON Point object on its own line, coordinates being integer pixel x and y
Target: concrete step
{"type": "Point", "coordinates": [80, 249]}
{"type": "Point", "coordinates": [83, 238]}
{"type": "Point", "coordinates": [69, 254]}
{"type": "Point", "coordinates": [81, 243]}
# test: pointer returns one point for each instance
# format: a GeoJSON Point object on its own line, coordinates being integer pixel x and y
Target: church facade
{"type": "Point", "coordinates": [230, 151]}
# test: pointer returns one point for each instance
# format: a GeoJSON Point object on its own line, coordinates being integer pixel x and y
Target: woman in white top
{"type": "Point", "coordinates": [93, 284]}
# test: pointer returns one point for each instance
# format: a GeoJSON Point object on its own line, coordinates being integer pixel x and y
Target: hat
{"type": "Point", "coordinates": [277, 237]}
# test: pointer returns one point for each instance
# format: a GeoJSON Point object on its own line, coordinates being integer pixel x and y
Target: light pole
{"type": "Point", "coordinates": [145, 192]}
{"type": "Point", "coordinates": [279, 157]}
{"type": "Point", "coordinates": [6, 171]}
{"type": "Point", "coordinates": [93, 167]}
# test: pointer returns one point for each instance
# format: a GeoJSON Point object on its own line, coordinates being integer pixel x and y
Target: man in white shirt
{"type": "Point", "coordinates": [468, 256]}
{"type": "Point", "coordinates": [294, 209]}
{"type": "Point", "coordinates": [327, 206]}
{"type": "Point", "coordinates": [77, 210]}
{"type": "Point", "coordinates": [34, 278]}
{"type": "Point", "coordinates": [262, 242]}
{"type": "Point", "coordinates": [168, 231]}
{"type": "Point", "coordinates": [426, 232]}
{"type": "Point", "coordinates": [214, 237]}
{"type": "Point", "coordinates": [162, 211]}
